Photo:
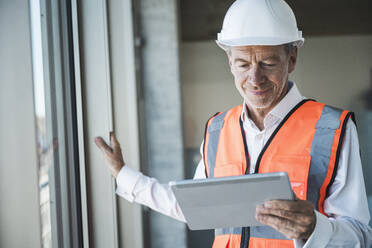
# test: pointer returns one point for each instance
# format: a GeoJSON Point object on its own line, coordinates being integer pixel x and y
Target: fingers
{"type": "Point", "coordinates": [114, 142]}
{"type": "Point", "coordinates": [294, 219]}
{"type": "Point", "coordinates": [276, 222]}
{"type": "Point", "coordinates": [297, 217]}
{"type": "Point", "coordinates": [290, 205]}
{"type": "Point", "coordinates": [113, 155]}
{"type": "Point", "coordinates": [288, 228]}
{"type": "Point", "coordinates": [102, 145]}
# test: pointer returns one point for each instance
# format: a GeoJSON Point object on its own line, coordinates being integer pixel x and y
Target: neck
{"type": "Point", "coordinates": [258, 115]}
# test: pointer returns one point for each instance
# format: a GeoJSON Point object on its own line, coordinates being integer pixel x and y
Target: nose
{"type": "Point", "coordinates": [255, 75]}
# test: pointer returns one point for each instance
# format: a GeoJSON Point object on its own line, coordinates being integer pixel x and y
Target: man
{"type": "Point", "coordinates": [276, 129]}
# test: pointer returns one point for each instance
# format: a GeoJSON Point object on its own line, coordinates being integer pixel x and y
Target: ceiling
{"type": "Point", "coordinates": [202, 19]}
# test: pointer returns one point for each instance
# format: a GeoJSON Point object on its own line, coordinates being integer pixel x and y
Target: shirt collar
{"type": "Point", "coordinates": [289, 101]}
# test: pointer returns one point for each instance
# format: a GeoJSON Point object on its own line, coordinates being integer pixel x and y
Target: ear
{"type": "Point", "coordinates": [292, 60]}
{"type": "Point", "coordinates": [230, 60]}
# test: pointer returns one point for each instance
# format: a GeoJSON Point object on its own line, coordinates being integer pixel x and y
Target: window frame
{"type": "Point", "coordinates": [61, 123]}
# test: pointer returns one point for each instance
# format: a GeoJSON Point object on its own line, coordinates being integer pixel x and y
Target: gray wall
{"type": "Point", "coordinates": [19, 204]}
{"type": "Point", "coordinates": [163, 140]}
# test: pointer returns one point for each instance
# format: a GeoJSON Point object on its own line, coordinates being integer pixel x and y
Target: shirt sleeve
{"type": "Point", "coordinates": [133, 186]}
{"type": "Point", "coordinates": [200, 170]}
{"type": "Point", "coordinates": [346, 205]}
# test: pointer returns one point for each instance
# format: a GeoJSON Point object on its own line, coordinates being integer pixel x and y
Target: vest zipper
{"type": "Point", "coordinates": [245, 236]}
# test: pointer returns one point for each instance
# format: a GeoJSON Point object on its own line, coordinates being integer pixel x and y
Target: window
{"type": "Point", "coordinates": [55, 110]}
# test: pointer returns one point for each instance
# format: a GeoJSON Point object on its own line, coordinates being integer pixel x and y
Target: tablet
{"type": "Point", "coordinates": [228, 201]}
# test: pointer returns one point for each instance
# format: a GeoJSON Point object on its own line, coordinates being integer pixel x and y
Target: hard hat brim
{"type": "Point", "coordinates": [258, 41]}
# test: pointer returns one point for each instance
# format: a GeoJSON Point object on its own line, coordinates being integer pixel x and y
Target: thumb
{"type": "Point", "coordinates": [102, 145]}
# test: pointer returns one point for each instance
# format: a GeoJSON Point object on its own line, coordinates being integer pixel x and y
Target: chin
{"type": "Point", "coordinates": [258, 105]}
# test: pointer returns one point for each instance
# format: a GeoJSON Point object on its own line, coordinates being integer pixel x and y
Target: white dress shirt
{"type": "Point", "coordinates": [346, 205]}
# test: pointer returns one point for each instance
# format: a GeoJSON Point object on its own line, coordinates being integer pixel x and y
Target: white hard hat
{"type": "Point", "coordinates": [259, 22]}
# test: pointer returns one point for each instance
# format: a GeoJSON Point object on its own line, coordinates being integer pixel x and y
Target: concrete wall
{"type": "Point", "coordinates": [162, 119]}
{"type": "Point", "coordinates": [19, 191]}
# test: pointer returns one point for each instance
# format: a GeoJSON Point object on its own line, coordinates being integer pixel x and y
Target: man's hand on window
{"type": "Point", "coordinates": [113, 154]}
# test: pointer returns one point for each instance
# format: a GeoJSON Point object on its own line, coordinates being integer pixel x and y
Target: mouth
{"type": "Point", "coordinates": [260, 92]}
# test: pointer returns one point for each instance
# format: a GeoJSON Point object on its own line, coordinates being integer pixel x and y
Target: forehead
{"type": "Point", "coordinates": [257, 51]}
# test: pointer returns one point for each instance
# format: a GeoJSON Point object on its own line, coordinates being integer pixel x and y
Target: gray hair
{"type": "Point", "coordinates": [289, 48]}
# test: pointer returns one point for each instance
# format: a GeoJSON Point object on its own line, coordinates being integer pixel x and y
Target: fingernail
{"type": "Point", "coordinates": [268, 204]}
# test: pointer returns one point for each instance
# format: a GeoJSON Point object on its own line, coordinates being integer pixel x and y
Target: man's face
{"type": "Point", "coordinates": [261, 73]}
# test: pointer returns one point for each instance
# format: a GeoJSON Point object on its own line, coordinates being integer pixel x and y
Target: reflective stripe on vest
{"type": "Point", "coordinates": [321, 149]}
{"type": "Point", "coordinates": [312, 133]}
{"type": "Point", "coordinates": [214, 134]}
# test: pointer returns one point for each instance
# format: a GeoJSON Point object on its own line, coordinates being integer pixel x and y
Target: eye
{"type": "Point", "coordinates": [267, 64]}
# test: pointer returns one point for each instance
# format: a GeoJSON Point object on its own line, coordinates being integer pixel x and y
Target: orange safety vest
{"type": "Point", "coordinates": [306, 145]}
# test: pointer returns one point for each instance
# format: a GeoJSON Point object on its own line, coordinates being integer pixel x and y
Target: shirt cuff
{"type": "Point", "coordinates": [321, 235]}
{"type": "Point", "coordinates": [126, 181]}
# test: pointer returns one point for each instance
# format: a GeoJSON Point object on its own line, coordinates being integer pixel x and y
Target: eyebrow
{"type": "Point", "coordinates": [271, 57]}
{"type": "Point", "coordinates": [240, 60]}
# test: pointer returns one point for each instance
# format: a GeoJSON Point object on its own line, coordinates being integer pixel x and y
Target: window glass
{"type": "Point", "coordinates": [45, 147]}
